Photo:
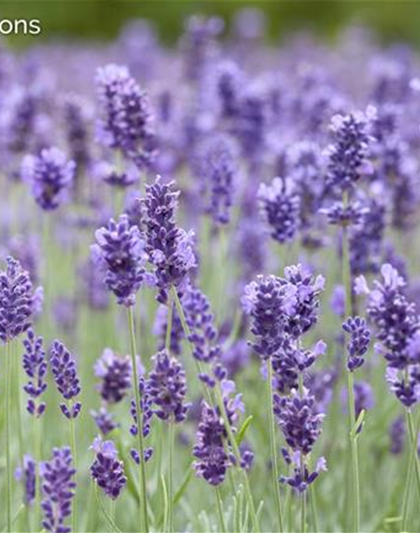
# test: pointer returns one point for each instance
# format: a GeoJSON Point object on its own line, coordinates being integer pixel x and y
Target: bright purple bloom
{"type": "Point", "coordinates": [302, 477]}
{"type": "Point", "coordinates": [200, 321]}
{"type": "Point", "coordinates": [121, 251]}
{"type": "Point", "coordinates": [306, 307]}
{"type": "Point", "coordinates": [126, 120]}
{"type": "Point", "coordinates": [299, 420]}
{"type": "Point", "coordinates": [27, 474]}
{"type": "Point", "coordinates": [359, 341]}
{"type": "Point", "coordinates": [58, 490]}
{"type": "Point", "coordinates": [107, 470]}
{"type": "Point", "coordinates": [167, 388]}
{"type": "Point", "coordinates": [212, 459]}
{"type": "Point", "coordinates": [218, 169]}
{"type": "Point", "coordinates": [35, 366]}
{"type": "Point", "coordinates": [115, 374]}
{"type": "Point", "coordinates": [147, 415]}
{"type": "Point", "coordinates": [16, 300]}
{"type": "Point", "coordinates": [169, 247]}
{"type": "Point", "coordinates": [64, 371]}
{"type": "Point", "coordinates": [50, 176]}
{"type": "Point", "coordinates": [104, 420]}
{"type": "Point", "coordinates": [269, 301]}
{"type": "Point", "coordinates": [347, 155]}
{"type": "Point", "coordinates": [280, 209]}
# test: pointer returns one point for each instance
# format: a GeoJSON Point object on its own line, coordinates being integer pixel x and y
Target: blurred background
{"type": "Point", "coordinates": [102, 19]}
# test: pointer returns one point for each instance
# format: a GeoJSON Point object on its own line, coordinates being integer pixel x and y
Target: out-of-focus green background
{"type": "Point", "coordinates": [103, 18]}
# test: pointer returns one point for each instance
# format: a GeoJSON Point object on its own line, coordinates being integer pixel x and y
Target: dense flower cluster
{"type": "Point", "coordinates": [27, 474]}
{"type": "Point", "coordinates": [127, 122]}
{"type": "Point", "coordinates": [115, 374]}
{"type": "Point", "coordinates": [169, 247]}
{"type": "Point", "coordinates": [107, 470]}
{"type": "Point", "coordinates": [50, 176]}
{"type": "Point", "coordinates": [121, 251]}
{"type": "Point", "coordinates": [167, 388]}
{"type": "Point", "coordinates": [64, 371]}
{"type": "Point", "coordinates": [58, 489]}
{"type": "Point", "coordinates": [16, 300]}
{"type": "Point", "coordinates": [359, 341]}
{"type": "Point", "coordinates": [35, 365]}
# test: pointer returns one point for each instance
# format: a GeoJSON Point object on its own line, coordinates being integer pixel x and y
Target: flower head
{"type": "Point", "coordinates": [64, 371]}
{"type": "Point", "coordinates": [35, 366]}
{"type": "Point", "coordinates": [359, 341]}
{"type": "Point", "coordinates": [167, 388]}
{"type": "Point", "coordinates": [115, 375]}
{"type": "Point", "coordinates": [126, 120]}
{"type": "Point", "coordinates": [16, 300]}
{"type": "Point", "coordinates": [27, 474]}
{"type": "Point", "coordinates": [50, 176]}
{"type": "Point", "coordinates": [121, 251]}
{"type": "Point", "coordinates": [107, 470]}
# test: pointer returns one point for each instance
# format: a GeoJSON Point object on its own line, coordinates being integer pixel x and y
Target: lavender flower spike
{"type": "Point", "coordinates": [27, 474]}
{"type": "Point", "coordinates": [58, 488]}
{"type": "Point", "coordinates": [107, 470]}
{"type": "Point", "coordinates": [169, 247]}
{"type": "Point", "coordinates": [167, 388]}
{"type": "Point", "coordinates": [115, 374]}
{"type": "Point", "coordinates": [35, 366]}
{"type": "Point", "coordinates": [16, 300]}
{"type": "Point", "coordinates": [121, 250]}
{"type": "Point", "coordinates": [63, 368]}
{"type": "Point", "coordinates": [50, 177]}
{"type": "Point", "coordinates": [359, 341]}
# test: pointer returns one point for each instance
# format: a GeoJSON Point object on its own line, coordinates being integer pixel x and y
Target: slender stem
{"type": "Point", "coordinates": [220, 509]}
{"type": "Point", "coordinates": [74, 454]}
{"type": "Point", "coordinates": [222, 409]}
{"type": "Point", "coordinates": [142, 489]}
{"type": "Point", "coordinates": [111, 523]}
{"type": "Point", "coordinates": [413, 441]}
{"type": "Point", "coordinates": [170, 477]}
{"type": "Point", "coordinates": [8, 437]}
{"type": "Point", "coordinates": [274, 460]}
{"type": "Point", "coordinates": [314, 509]}
{"type": "Point", "coordinates": [347, 282]}
{"type": "Point", "coordinates": [303, 512]}
{"type": "Point", "coordinates": [169, 325]}
{"type": "Point", "coordinates": [38, 455]}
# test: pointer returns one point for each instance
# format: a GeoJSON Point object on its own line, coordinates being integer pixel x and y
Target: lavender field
{"type": "Point", "coordinates": [210, 283]}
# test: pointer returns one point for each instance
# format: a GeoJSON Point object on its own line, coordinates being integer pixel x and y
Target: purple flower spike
{"type": "Point", "coordinates": [35, 366]}
{"type": "Point", "coordinates": [167, 388]}
{"type": "Point", "coordinates": [64, 370]}
{"type": "Point", "coordinates": [107, 470]}
{"type": "Point", "coordinates": [27, 474]}
{"type": "Point", "coordinates": [169, 247]}
{"type": "Point", "coordinates": [121, 251]}
{"type": "Point", "coordinates": [16, 300]}
{"type": "Point", "coordinates": [104, 421]}
{"type": "Point", "coordinates": [347, 156]}
{"type": "Point", "coordinates": [200, 321]}
{"type": "Point", "coordinates": [268, 301]}
{"type": "Point", "coordinates": [302, 477]}
{"type": "Point", "coordinates": [299, 420]}
{"type": "Point", "coordinates": [115, 374]}
{"type": "Point", "coordinates": [126, 119]}
{"type": "Point", "coordinates": [209, 449]}
{"type": "Point", "coordinates": [359, 341]}
{"type": "Point", "coordinates": [50, 176]}
{"type": "Point", "coordinates": [280, 209]}
{"type": "Point", "coordinates": [58, 488]}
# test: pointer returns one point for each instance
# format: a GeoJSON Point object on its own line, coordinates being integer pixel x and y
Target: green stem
{"type": "Point", "coordinates": [413, 462]}
{"type": "Point", "coordinates": [142, 489]}
{"type": "Point", "coordinates": [111, 523]}
{"type": "Point", "coordinates": [38, 455]}
{"type": "Point", "coordinates": [8, 437]}
{"type": "Point", "coordinates": [73, 452]}
{"type": "Point", "coordinates": [274, 460]}
{"type": "Point", "coordinates": [347, 282]}
{"type": "Point", "coordinates": [170, 477]}
{"type": "Point", "coordinates": [222, 409]}
{"type": "Point", "coordinates": [169, 325]}
{"type": "Point", "coordinates": [220, 510]}
{"type": "Point", "coordinates": [314, 510]}
{"type": "Point", "coordinates": [303, 512]}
